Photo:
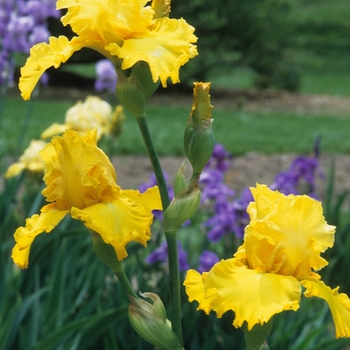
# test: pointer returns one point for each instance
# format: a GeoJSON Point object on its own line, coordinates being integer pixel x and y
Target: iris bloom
{"type": "Point", "coordinates": [93, 113]}
{"type": "Point", "coordinates": [81, 181]}
{"type": "Point", "coordinates": [29, 160]}
{"type": "Point", "coordinates": [124, 31]}
{"type": "Point", "coordinates": [280, 254]}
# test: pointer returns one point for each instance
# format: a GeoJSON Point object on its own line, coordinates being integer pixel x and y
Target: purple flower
{"type": "Point", "coordinates": [220, 158]}
{"type": "Point", "coordinates": [206, 261]}
{"type": "Point", "coordinates": [22, 24]}
{"type": "Point", "coordinates": [222, 222]}
{"type": "Point", "coordinates": [302, 170]}
{"type": "Point", "coordinates": [161, 255]}
{"type": "Point", "coordinates": [240, 205]}
{"type": "Point", "coordinates": [106, 76]}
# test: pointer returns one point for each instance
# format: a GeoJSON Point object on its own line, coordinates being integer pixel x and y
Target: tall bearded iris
{"type": "Point", "coordinates": [280, 253]}
{"type": "Point", "coordinates": [124, 31]}
{"type": "Point", "coordinates": [81, 181]}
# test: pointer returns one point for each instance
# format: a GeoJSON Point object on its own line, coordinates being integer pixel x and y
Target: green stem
{"type": "Point", "coordinates": [174, 275]}
{"type": "Point", "coordinates": [124, 281]}
{"type": "Point", "coordinates": [153, 156]}
{"type": "Point", "coordinates": [175, 287]}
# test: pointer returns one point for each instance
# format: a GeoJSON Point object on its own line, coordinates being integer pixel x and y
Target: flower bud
{"type": "Point", "coordinates": [180, 181]}
{"type": "Point", "coordinates": [150, 322]}
{"type": "Point", "coordinates": [133, 91]}
{"type": "Point", "coordinates": [199, 138]}
{"type": "Point", "coordinates": [256, 337]}
{"type": "Point", "coordinates": [105, 252]}
{"type": "Point", "coordinates": [130, 93]}
{"type": "Point", "coordinates": [183, 206]}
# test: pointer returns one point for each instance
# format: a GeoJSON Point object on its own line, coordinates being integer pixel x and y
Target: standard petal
{"type": "Point", "coordinates": [339, 304]}
{"type": "Point", "coordinates": [254, 297]}
{"type": "Point", "coordinates": [24, 236]}
{"type": "Point", "coordinates": [287, 236]}
{"type": "Point", "coordinates": [165, 48]}
{"type": "Point", "coordinates": [118, 222]}
{"type": "Point", "coordinates": [42, 56]}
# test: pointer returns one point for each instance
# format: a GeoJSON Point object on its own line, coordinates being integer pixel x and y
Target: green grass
{"type": "Point", "coordinates": [239, 131]}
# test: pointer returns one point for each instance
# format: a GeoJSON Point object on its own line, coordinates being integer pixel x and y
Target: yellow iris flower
{"type": "Point", "coordinates": [29, 160]}
{"type": "Point", "coordinates": [93, 113]}
{"type": "Point", "coordinates": [81, 181]}
{"type": "Point", "coordinates": [280, 253]}
{"type": "Point", "coordinates": [124, 31]}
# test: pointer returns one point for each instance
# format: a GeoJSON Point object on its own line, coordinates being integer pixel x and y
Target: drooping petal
{"type": "Point", "coordinates": [42, 56]}
{"type": "Point", "coordinates": [24, 236]}
{"type": "Point", "coordinates": [150, 198]}
{"type": "Point", "coordinates": [339, 304]}
{"type": "Point", "coordinates": [54, 129]}
{"type": "Point", "coordinates": [194, 284]}
{"type": "Point", "coordinates": [163, 48]}
{"type": "Point", "coordinates": [254, 297]}
{"type": "Point", "coordinates": [118, 222]}
{"type": "Point", "coordinates": [14, 169]}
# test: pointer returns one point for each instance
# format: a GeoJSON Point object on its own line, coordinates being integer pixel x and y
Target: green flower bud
{"type": "Point", "coordinates": [180, 181]}
{"type": "Point", "coordinates": [150, 322]}
{"type": "Point", "coordinates": [183, 206]}
{"type": "Point", "coordinates": [143, 73]}
{"type": "Point", "coordinates": [256, 337]}
{"type": "Point", "coordinates": [134, 90]}
{"type": "Point", "coordinates": [130, 93]}
{"type": "Point", "coordinates": [199, 138]}
{"type": "Point", "coordinates": [105, 252]}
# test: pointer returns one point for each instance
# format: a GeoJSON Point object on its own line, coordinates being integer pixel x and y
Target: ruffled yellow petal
{"type": "Point", "coordinates": [339, 304]}
{"type": "Point", "coordinates": [29, 160]}
{"type": "Point", "coordinates": [107, 21]}
{"type": "Point", "coordinates": [150, 198]}
{"type": "Point", "coordinates": [42, 56]}
{"type": "Point", "coordinates": [287, 234]}
{"type": "Point", "coordinates": [78, 173]}
{"type": "Point", "coordinates": [14, 169]}
{"type": "Point", "coordinates": [118, 222]}
{"type": "Point", "coordinates": [194, 283]}
{"type": "Point", "coordinates": [52, 130]}
{"type": "Point", "coordinates": [24, 236]}
{"type": "Point", "coordinates": [254, 297]}
{"type": "Point", "coordinates": [165, 48]}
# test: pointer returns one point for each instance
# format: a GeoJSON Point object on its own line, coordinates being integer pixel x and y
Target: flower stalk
{"type": "Point", "coordinates": [175, 295]}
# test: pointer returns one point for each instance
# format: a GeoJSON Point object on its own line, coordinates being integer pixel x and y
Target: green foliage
{"type": "Point", "coordinates": [253, 33]}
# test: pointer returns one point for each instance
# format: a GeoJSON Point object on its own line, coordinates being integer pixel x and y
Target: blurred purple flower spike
{"type": "Point", "coordinates": [207, 260]}
{"type": "Point", "coordinates": [106, 76]}
{"type": "Point", "coordinates": [161, 255]}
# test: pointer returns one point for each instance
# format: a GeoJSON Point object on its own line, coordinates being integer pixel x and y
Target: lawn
{"type": "Point", "coordinates": [240, 131]}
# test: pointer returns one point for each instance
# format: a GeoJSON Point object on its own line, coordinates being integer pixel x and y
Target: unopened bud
{"type": "Point", "coordinates": [256, 337]}
{"type": "Point", "coordinates": [183, 206]}
{"type": "Point", "coordinates": [180, 180]}
{"type": "Point", "coordinates": [150, 322]}
{"type": "Point", "coordinates": [105, 252]}
{"type": "Point", "coordinates": [199, 138]}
